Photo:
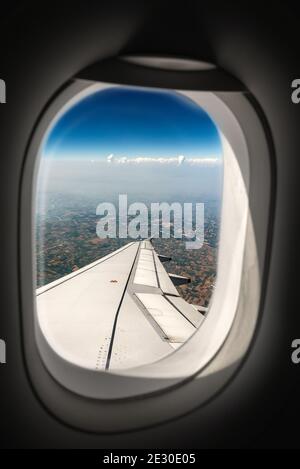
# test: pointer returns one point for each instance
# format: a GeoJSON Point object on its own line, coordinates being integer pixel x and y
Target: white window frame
{"type": "Point", "coordinates": [224, 337]}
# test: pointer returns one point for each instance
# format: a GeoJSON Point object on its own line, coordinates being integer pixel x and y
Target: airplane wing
{"type": "Point", "coordinates": [118, 312]}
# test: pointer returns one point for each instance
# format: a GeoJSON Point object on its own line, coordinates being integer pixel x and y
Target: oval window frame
{"type": "Point", "coordinates": [240, 125]}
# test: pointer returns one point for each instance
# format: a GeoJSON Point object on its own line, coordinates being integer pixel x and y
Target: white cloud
{"type": "Point", "coordinates": [175, 160]}
{"type": "Point", "coordinates": [181, 159]}
{"type": "Point", "coordinates": [140, 177]}
{"type": "Point", "coordinates": [110, 158]}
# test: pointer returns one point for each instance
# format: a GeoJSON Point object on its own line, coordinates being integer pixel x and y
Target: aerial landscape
{"type": "Point", "coordinates": [66, 240]}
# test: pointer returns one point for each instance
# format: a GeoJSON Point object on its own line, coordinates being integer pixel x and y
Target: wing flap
{"type": "Point", "coordinates": [175, 326]}
{"type": "Point", "coordinates": [136, 340]}
{"type": "Point", "coordinates": [188, 310]}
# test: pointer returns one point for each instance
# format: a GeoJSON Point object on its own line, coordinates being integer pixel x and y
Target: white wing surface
{"type": "Point", "coordinates": [119, 312]}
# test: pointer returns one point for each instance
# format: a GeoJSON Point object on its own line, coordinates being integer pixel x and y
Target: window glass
{"type": "Point", "coordinates": [129, 190]}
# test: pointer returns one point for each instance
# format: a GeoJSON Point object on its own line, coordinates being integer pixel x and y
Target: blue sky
{"type": "Point", "coordinates": [164, 147]}
{"type": "Point", "coordinates": [132, 122]}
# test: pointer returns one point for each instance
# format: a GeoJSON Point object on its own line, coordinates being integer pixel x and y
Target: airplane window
{"type": "Point", "coordinates": [127, 220]}
{"type": "Point", "coordinates": [143, 237]}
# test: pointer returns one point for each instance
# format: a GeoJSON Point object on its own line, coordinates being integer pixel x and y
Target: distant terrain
{"type": "Point", "coordinates": [66, 240]}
